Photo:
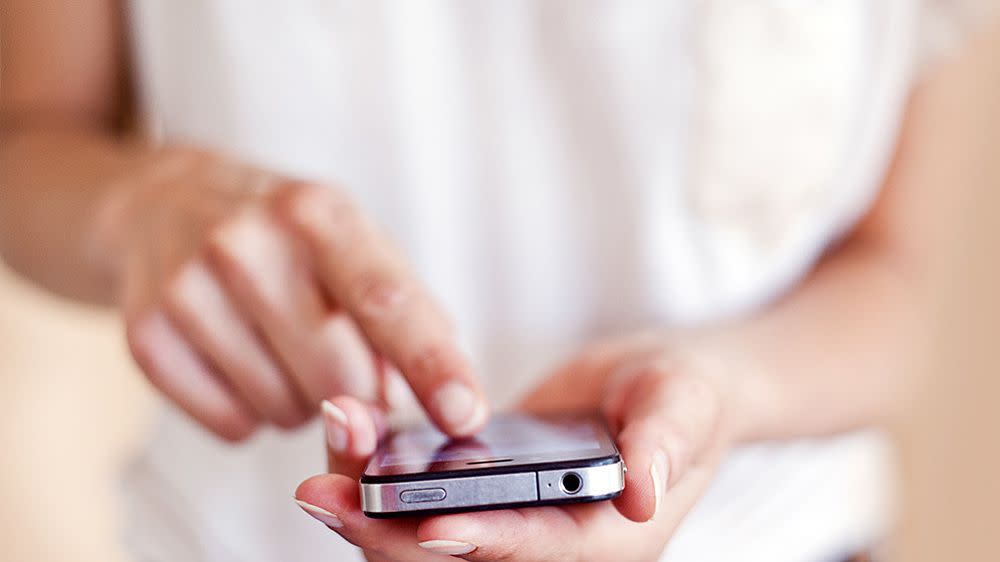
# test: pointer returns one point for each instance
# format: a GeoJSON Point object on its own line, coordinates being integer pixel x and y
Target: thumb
{"type": "Point", "coordinates": [667, 418]}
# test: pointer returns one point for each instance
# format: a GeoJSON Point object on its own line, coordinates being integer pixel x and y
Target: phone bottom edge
{"type": "Point", "coordinates": [492, 507]}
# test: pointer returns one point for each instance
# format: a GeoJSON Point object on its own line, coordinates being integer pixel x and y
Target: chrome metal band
{"type": "Point", "coordinates": [497, 489]}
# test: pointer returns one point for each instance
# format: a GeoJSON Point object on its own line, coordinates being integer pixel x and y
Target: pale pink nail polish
{"type": "Point", "coordinates": [658, 473]}
{"type": "Point", "coordinates": [448, 548]}
{"type": "Point", "coordinates": [335, 424]}
{"type": "Point", "coordinates": [321, 515]}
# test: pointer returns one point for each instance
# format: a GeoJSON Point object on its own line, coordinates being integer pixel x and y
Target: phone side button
{"type": "Point", "coordinates": [423, 496]}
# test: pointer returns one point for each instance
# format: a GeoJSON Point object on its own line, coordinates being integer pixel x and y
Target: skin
{"type": "Point", "coordinates": [323, 303]}
{"type": "Point", "coordinates": [948, 437]}
{"type": "Point", "coordinates": [325, 306]}
{"type": "Point", "coordinates": [659, 412]}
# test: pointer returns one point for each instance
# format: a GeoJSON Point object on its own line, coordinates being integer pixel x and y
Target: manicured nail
{"type": "Point", "coordinates": [335, 422]}
{"type": "Point", "coordinates": [322, 515]}
{"type": "Point", "coordinates": [460, 407]}
{"type": "Point", "coordinates": [449, 548]}
{"type": "Point", "coordinates": [658, 466]}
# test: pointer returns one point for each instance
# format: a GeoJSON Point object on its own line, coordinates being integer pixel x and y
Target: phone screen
{"type": "Point", "coordinates": [515, 439]}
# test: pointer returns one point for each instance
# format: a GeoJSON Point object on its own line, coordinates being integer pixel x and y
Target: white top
{"type": "Point", "coordinates": [557, 171]}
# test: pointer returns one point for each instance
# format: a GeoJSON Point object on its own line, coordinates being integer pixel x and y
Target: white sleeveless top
{"type": "Point", "coordinates": [557, 171]}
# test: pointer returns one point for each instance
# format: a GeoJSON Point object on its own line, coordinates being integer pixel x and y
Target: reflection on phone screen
{"type": "Point", "coordinates": [503, 437]}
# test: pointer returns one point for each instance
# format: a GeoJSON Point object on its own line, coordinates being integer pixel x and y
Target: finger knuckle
{"type": "Point", "coordinates": [227, 243]}
{"type": "Point", "coordinates": [329, 379]}
{"type": "Point", "coordinates": [178, 295]}
{"type": "Point", "coordinates": [289, 195]}
{"type": "Point", "coordinates": [678, 448]}
{"type": "Point", "coordinates": [377, 294]}
{"type": "Point", "coordinates": [649, 374]}
{"type": "Point", "coordinates": [435, 361]}
{"type": "Point", "coordinates": [341, 208]}
{"type": "Point", "coordinates": [296, 201]}
{"type": "Point", "coordinates": [233, 252]}
{"type": "Point", "coordinates": [646, 431]}
{"type": "Point", "coordinates": [701, 392]}
{"type": "Point", "coordinates": [431, 359]}
{"type": "Point", "coordinates": [290, 419]}
{"type": "Point", "coordinates": [667, 374]}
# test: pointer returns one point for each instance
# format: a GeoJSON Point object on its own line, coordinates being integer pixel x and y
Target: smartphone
{"type": "Point", "coordinates": [516, 461]}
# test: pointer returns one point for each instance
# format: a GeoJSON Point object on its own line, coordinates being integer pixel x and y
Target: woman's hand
{"type": "Point", "coordinates": [249, 299]}
{"type": "Point", "coordinates": [669, 415]}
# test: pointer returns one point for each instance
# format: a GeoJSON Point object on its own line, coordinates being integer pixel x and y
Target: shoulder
{"type": "Point", "coordinates": [798, 120]}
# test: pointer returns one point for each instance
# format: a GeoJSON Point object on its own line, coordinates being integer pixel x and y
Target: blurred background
{"type": "Point", "coordinates": [64, 432]}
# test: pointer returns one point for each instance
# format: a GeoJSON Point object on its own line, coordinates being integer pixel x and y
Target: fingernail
{"type": "Point", "coordinates": [322, 515]}
{"type": "Point", "coordinates": [658, 473]}
{"type": "Point", "coordinates": [449, 548]}
{"type": "Point", "coordinates": [460, 407]}
{"type": "Point", "coordinates": [335, 422]}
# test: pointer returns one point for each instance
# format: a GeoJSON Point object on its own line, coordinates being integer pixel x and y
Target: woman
{"type": "Point", "coordinates": [692, 186]}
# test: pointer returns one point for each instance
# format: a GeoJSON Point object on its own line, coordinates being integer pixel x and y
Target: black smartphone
{"type": "Point", "coordinates": [516, 461]}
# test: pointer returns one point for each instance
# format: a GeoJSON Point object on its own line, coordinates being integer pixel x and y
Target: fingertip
{"type": "Point", "coordinates": [433, 528]}
{"type": "Point", "coordinates": [335, 427]}
{"type": "Point", "coordinates": [335, 411]}
{"type": "Point", "coordinates": [300, 204]}
{"type": "Point", "coordinates": [328, 498]}
{"type": "Point", "coordinates": [637, 502]}
{"type": "Point", "coordinates": [476, 423]}
{"type": "Point", "coordinates": [359, 422]}
{"type": "Point", "coordinates": [312, 486]}
{"type": "Point", "coordinates": [540, 533]}
{"type": "Point", "coordinates": [353, 430]}
{"type": "Point", "coordinates": [333, 492]}
{"type": "Point", "coordinates": [236, 430]}
{"type": "Point", "coordinates": [460, 534]}
{"type": "Point", "coordinates": [461, 410]}
{"type": "Point", "coordinates": [290, 419]}
{"type": "Point", "coordinates": [233, 424]}
{"type": "Point", "coordinates": [645, 481]}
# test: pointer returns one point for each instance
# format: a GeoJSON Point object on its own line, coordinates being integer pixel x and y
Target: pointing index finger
{"type": "Point", "coordinates": [365, 275]}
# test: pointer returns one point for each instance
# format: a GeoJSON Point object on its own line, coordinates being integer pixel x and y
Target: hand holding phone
{"type": "Point", "coordinates": [671, 426]}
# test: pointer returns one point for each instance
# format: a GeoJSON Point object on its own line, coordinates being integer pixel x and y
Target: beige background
{"type": "Point", "coordinates": [71, 406]}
